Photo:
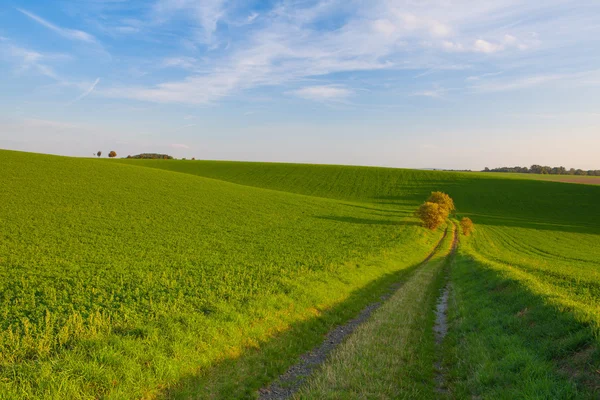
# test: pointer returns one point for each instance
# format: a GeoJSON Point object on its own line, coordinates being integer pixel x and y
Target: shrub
{"type": "Point", "coordinates": [467, 226]}
{"type": "Point", "coordinates": [99, 153]}
{"type": "Point", "coordinates": [431, 214]}
{"type": "Point", "coordinates": [443, 200]}
{"type": "Point", "coordinates": [112, 154]}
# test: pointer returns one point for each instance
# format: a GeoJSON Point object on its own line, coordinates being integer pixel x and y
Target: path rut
{"type": "Point", "coordinates": [289, 382]}
{"type": "Point", "coordinates": [440, 329]}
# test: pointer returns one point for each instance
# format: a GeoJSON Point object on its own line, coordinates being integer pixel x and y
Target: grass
{"type": "Point", "coordinates": [392, 355]}
{"type": "Point", "coordinates": [123, 282]}
{"type": "Point", "coordinates": [526, 317]}
{"type": "Point", "coordinates": [159, 278]}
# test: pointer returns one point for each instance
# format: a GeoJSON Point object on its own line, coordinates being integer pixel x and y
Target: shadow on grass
{"type": "Point", "coordinates": [242, 377]}
{"type": "Point", "coordinates": [531, 204]}
{"type": "Point", "coordinates": [549, 225]}
{"type": "Point", "coordinates": [507, 342]}
{"type": "Point", "coordinates": [366, 221]}
{"type": "Point", "coordinates": [383, 210]}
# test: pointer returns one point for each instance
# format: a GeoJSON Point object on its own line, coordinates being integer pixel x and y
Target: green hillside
{"type": "Point", "coordinates": [114, 273]}
{"type": "Point", "coordinates": [492, 199]}
{"type": "Point", "coordinates": [164, 278]}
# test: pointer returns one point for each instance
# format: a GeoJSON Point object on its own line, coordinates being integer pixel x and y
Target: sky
{"type": "Point", "coordinates": [456, 84]}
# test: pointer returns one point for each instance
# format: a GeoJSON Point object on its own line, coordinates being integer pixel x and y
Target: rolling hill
{"type": "Point", "coordinates": [165, 278]}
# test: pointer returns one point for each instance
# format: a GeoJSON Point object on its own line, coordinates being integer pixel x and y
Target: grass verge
{"type": "Point", "coordinates": [507, 341]}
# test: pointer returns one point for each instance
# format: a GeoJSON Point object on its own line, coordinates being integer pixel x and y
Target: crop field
{"type": "Point", "coordinates": [204, 279]}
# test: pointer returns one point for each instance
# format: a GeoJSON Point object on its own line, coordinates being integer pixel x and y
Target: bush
{"type": "Point", "coordinates": [467, 226]}
{"type": "Point", "coordinates": [443, 200]}
{"type": "Point", "coordinates": [432, 215]}
{"type": "Point", "coordinates": [112, 154]}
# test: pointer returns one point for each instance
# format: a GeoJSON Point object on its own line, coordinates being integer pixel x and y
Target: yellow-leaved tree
{"type": "Point", "coordinates": [435, 210]}
{"type": "Point", "coordinates": [431, 214]}
{"type": "Point", "coordinates": [467, 226]}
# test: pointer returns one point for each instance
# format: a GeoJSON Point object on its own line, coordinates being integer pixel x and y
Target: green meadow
{"type": "Point", "coordinates": [152, 279]}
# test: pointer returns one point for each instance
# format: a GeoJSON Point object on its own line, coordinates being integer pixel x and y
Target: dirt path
{"type": "Point", "coordinates": [440, 329]}
{"type": "Point", "coordinates": [288, 383]}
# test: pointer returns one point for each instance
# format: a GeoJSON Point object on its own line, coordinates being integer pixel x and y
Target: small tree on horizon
{"type": "Point", "coordinates": [112, 154]}
{"type": "Point", "coordinates": [99, 153]}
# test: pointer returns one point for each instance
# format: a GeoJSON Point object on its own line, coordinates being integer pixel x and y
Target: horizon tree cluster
{"type": "Point", "coordinates": [544, 170]}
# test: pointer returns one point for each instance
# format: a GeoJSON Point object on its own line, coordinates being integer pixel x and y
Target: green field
{"type": "Point", "coordinates": [205, 279]}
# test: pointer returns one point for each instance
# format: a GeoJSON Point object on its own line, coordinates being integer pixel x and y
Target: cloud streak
{"type": "Point", "coordinates": [87, 92]}
{"type": "Point", "coordinates": [288, 46]}
{"type": "Point", "coordinates": [322, 93]}
{"type": "Point", "coordinates": [72, 34]}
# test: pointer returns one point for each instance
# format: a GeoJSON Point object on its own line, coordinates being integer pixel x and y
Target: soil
{"type": "Point", "coordinates": [440, 328]}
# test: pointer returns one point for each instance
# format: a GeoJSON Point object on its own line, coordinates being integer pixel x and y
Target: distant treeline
{"type": "Point", "coordinates": [544, 170]}
{"type": "Point", "coordinates": [152, 156]}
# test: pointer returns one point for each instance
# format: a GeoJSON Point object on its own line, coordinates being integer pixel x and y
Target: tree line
{"type": "Point", "coordinates": [545, 170]}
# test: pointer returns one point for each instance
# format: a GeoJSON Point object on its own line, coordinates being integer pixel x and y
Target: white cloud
{"type": "Point", "coordinates": [384, 26]}
{"type": "Point", "coordinates": [436, 93]}
{"type": "Point", "coordinates": [288, 45]}
{"type": "Point", "coordinates": [482, 76]}
{"type": "Point", "coordinates": [412, 22]}
{"type": "Point", "coordinates": [486, 47]}
{"type": "Point", "coordinates": [206, 13]}
{"type": "Point", "coordinates": [180, 146]}
{"type": "Point", "coordinates": [72, 34]}
{"type": "Point", "coordinates": [252, 17]}
{"type": "Point", "coordinates": [322, 93]}
{"type": "Point", "coordinates": [521, 83]}
{"type": "Point", "coordinates": [179, 62]}
{"type": "Point", "coordinates": [29, 60]}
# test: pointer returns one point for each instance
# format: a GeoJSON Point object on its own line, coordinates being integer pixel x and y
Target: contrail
{"type": "Point", "coordinates": [87, 92]}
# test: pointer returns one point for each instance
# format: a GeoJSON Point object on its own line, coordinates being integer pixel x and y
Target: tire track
{"type": "Point", "coordinates": [288, 383]}
{"type": "Point", "coordinates": [440, 328]}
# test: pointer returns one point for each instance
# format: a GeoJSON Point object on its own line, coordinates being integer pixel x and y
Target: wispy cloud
{"type": "Point", "coordinates": [473, 78]}
{"type": "Point", "coordinates": [436, 93]}
{"type": "Point", "coordinates": [289, 46]}
{"type": "Point", "coordinates": [520, 83]}
{"type": "Point", "coordinates": [28, 60]}
{"type": "Point", "coordinates": [87, 92]}
{"type": "Point", "coordinates": [322, 93]}
{"type": "Point", "coordinates": [179, 62]}
{"type": "Point", "coordinates": [72, 34]}
{"type": "Point", "coordinates": [180, 146]}
{"type": "Point", "coordinates": [206, 13]}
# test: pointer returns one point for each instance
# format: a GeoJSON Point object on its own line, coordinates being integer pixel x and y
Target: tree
{"type": "Point", "coordinates": [431, 214]}
{"type": "Point", "coordinates": [467, 226]}
{"type": "Point", "coordinates": [112, 154]}
{"type": "Point", "coordinates": [99, 153]}
{"type": "Point", "coordinates": [443, 200]}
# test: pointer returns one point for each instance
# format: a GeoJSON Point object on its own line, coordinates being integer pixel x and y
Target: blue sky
{"type": "Point", "coordinates": [424, 84]}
